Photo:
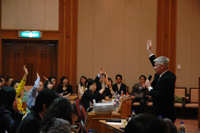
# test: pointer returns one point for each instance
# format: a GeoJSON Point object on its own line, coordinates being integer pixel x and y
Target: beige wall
{"type": "Point", "coordinates": [112, 35]}
{"type": "Point", "coordinates": [30, 14]}
{"type": "Point", "coordinates": [188, 43]}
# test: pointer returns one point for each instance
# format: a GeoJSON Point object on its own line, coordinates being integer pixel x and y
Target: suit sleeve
{"type": "Point", "coordinates": [152, 59]}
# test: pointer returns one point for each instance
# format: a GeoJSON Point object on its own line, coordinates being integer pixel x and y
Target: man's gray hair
{"type": "Point", "coordinates": [162, 60]}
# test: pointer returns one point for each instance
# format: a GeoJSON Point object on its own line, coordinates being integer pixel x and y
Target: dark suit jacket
{"type": "Point", "coordinates": [88, 97]}
{"type": "Point", "coordinates": [123, 87]}
{"type": "Point", "coordinates": [30, 124]}
{"type": "Point", "coordinates": [99, 87]}
{"type": "Point", "coordinates": [163, 94]}
{"type": "Point", "coordinates": [68, 90]}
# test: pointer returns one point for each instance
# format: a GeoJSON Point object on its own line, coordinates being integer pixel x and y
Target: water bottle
{"type": "Point", "coordinates": [113, 99]}
{"type": "Point", "coordinates": [160, 116]}
{"type": "Point", "coordinates": [133, 114]}
{"type": "Point", "coordinates": [122, 93]}
{"type": "Point", "coordinates": [90, 130]}
{"type": "Point", "coordinates": [181, 128]}
{"type": "Point", "coordinates": [127, 95]}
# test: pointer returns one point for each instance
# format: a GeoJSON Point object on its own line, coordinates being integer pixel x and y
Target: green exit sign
{"type": "Point", "coordinates": [30, 34]}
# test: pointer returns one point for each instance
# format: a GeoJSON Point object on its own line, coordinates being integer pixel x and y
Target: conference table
{"type": "Point", "coordinates": [94, 120]}
{"type": "Point", "coordinates": [114, 126]}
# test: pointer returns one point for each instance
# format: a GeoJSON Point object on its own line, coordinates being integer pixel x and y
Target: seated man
{"type": "Point", "coordinates": [119, 86]}
{"type": "Point", "coordinates": [3, 80]}
{"type": "Point", "coordinates": [139, 92]}
{"type": "Point", "coordinates": [31, 122]}
{"type": "Point", "coordinates": [9, 80]}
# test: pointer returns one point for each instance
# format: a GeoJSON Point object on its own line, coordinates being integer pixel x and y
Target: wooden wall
{"type": "Point", "coordinates": [66, 36]}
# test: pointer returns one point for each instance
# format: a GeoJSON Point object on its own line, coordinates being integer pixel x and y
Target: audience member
{"type": "Point", "coordinates": [58, 117]}
{"type": "Point", "coordinates": [31, 123]}
{"type": "Point", "coordinates": [139, 93]}
{"type": "Point", "coordinates": [38, 86]}
{"type": "Point", "coordinates": [53, 80]}
{"type": "Point", "coordinates": [82, 86]}
{"type": "Point", "coordinates": [9, 80]}
{"type": "Point", "coordinates": [9, 119]}
{"type": "Point", "coordinates": [19, 86]}
{"type": "Point", "coordinates": [110, 84]}
{"type": "Point", "coordinates": [64, 87]}
{"type": "Point", "coordinates": [145, 123]}
{"type": "Point", "coordinates": [119, 86]}
{"type": "Point", "coordinates": [90, 94]}
{"type": "Point", "coordinates": [48, 85]}
{"type": "Point", "coordinates": [101, 81]}
{"type": "Point", "coordinates": [3, 80]}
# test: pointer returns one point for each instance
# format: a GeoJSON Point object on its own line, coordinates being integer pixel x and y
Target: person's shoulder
{"type": "Point", "coordinates": [123, 84]}
{"type": "Point", "coordinates": [114, 84]}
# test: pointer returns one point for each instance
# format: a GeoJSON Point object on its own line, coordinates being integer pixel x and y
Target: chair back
{"type": "Point", "coordinates": [83, 112]}
{"type": "Point", "coordinates": [180, 91]}
{"type": "Point", "coordinates": [83, 128]}
{"type": "Point", "coordinates": [77, 107]}
{"type": "Point", "coordinates": [194, 95]}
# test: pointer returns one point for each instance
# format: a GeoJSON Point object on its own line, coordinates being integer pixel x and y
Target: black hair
{"type": "Point", "coordinates": [7, 96]}
{"type": "Point", "coordinates": [103, 74]}
{"type": "Point", "coordinates": [2, 77]}
{"type": "Point", "coordinates": [90, 83]}
{"type": "Point", "coordinates": [46, 83]}
{"type": "Point", "coordinates": [14, 82]}
{"type": "Point", "coordinates": [45, 96]}
{"type": "Point", "coordinates": [51, 77]}
{"type": "Point", "coordinates": [145, 123]}
{"type": "Point", "coordinates": [8, 78]}
{"type": "Point", "coordinates": [1, 80]}
{"type": "Point", "coordinates": [61, 107]}
{"type": "Point", "coordinates": [143, 77]}
{"type": "Point", "coordinates": [85, 80]}
{"type": "Point", "coordinates": [109, 79]}
{"type": "Point", "coordinates": [118, 75]}
{"type": "Point", "coordinates": [61, 79]}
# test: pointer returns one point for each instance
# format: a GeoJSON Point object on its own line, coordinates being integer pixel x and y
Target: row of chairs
{"type": "Point", "coordinates": [187, 101]}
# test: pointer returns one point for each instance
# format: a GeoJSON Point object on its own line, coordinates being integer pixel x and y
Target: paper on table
{"type": "Point", "coordinates": [114, 123]}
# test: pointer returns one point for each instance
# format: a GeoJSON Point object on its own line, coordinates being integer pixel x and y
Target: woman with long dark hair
{"type": "Point", "coordinates": [9, 119]}
{"type": "Point", "coordinates": [82, 86]}
{"type": "Point", "coordinates": [58, 117]}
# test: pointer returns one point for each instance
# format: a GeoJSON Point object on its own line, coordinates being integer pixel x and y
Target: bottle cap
{"type": "Point", "coordinates": [133, 111]}
{"type": "Point", "coordinates": [160, 116]}
{"type": "Point", "coordinates": [182, 122]}
{"type": "Point", "coordinates": [90, 130]}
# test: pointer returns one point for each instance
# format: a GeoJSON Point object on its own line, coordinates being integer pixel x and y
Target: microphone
{"type": "Point", "coordinates": [149, 78]}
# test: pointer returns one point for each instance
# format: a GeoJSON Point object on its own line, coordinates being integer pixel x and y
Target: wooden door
{"type": "Point", "coordinates": [38, 57]}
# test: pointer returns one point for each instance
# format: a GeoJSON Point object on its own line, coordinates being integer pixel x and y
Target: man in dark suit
{"type": "Point", "coordinates": [119, 86]}
{"type": "Point", "coordinates": [31, 122]}
{"type": "Point", "coordinates": [162, 87]}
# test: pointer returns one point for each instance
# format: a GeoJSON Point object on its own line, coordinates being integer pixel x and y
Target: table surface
{"type": "Point", "coordinates": [112, 126]}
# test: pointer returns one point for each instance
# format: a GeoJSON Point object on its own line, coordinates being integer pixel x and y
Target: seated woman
{"type": "Point", "coordinates": [58, 117]}
{"type": "Point", "coordinates": [145, 123]}
{"type": "Point", "coordinates": [64, 87]}
{"type": "Point", "coordinates": [9, 118]}
{"type": "Point", "coordinates": [139, 92]}
{"type": "Point", "coordinates": [89, 94]}
{"type": "Point", "coordinates": [110, 84]}
{"type": "Point", "coordinates": [48, 85]}
{"type": "Point", "coordinates": [82, 86]}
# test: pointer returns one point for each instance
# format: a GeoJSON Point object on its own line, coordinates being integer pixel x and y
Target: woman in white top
{"type": "Point", "coordinates": [82, 86]}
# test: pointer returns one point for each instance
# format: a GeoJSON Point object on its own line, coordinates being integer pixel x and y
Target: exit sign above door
{"type": "Point", "coordinates": [30, 34]}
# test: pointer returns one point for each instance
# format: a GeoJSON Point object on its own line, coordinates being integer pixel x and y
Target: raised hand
{"type": "Point", "coordinates": [101, 70]}
{"type": "Point", "coordinates": [45, 78]}
{"type": "Point", "coordinates": [149, 46]}
{"type": "Point", "coordinates": [25, 70]}
{"type": "Point", "coordinates": [37, 75]}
